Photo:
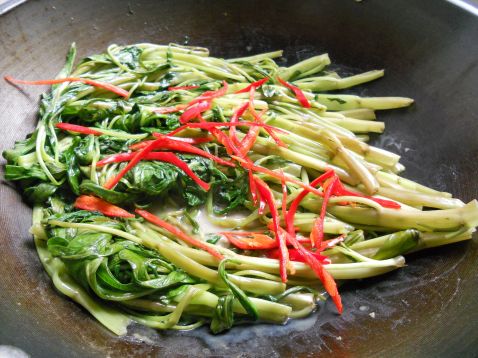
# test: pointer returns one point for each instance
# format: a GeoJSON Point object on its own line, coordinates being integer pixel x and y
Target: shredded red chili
{"type": "Point", "coordinates": [178, 233]}
{"type": "Point", "coordinates": [249, 240]}
{"type": "Point", "coordinates": [194, 110]}
{"type": "Point", "coordinates": [235, 119]}
{"type": "Point", "coordinates": [210, 125]}
{"type": "Point", "coordinates": [92, 203]}
{"type": "Point", "coordinates": [111, 183]}
{"type": "Point", "coordinates": [297, 91]}
{"type": "Point", "coordinates": [268, 198]}
{"type": "Point", "coordinates": [251, 166]}
{"type": "Point", "coordinates": [258, 119]}
{"type": "Point", "coordinates": [340, 190]}
{"type": "Point", "coordinates": [166, 142]}
{"type": "Point", "coordinates": [317, 233]}
{"type": "Point", "coordinates": [326, 278]}
{"type": "Point", "coordinates": [182, 88]}
{"type": "Point", "coordinates": [196, 140]}
{"type": "Point", "coordinates": [210, 95]}
{"type": "Point", "coordinates": [77, 129]}
{"type": "Point", "coordinates": [106, 86]}
{"type": "Point", "coordinates": [255, 85]}
{"type": "Point", "coordinates": [172, 109]}
{"type": "Point", "coordinates": [296, 255]}
{"type": "Point", "coordinates": [160, 156]}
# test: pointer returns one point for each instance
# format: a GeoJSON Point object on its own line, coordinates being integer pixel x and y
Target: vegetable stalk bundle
{"type": "Point", "coordinates": [176, 189]}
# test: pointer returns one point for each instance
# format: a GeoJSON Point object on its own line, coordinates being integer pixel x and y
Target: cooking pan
{"type": "Point", "coordinates": [429, 49]}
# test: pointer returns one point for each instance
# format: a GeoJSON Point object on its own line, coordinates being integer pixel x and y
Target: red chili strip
{"type": "Point", "coordinates": [296, 202]}
{"type": "Point", "coordinates": [182, 88]}
{"type": "Point", "coordinates": [235, 119]}
{"type": "Point", "coordinates": [340, 190]}
{"type": "Point", "coordinates": [196, 140]}
{"type": "Point", "coordinates": [296, 255]}
{"type": "Point", "coordinates": [317, 233]}
{"type": "Point", "coordinates": [251, 166]}
{"type": "Point", "coordinates": [251, 241]}
{"type": "Point", "coordinates": [111, 183]}
{"type": "Point", "coordinates": [222, 138]}
{"type": "Point", "coordinates": [92, 203]}
{"type": "Point", "coordinates": [253, 188]}
{"type": "Point", "coordinates": [77, 129]}
{"type": "Point", "coordinates": [326, 278]}
{"type": "Point", "coordinates": [172, 109]}
{"type": "Point", "coordinates": [328, 244]}
{"type": "Point", "coordinates": [106, 86]}
{"type": "Point", "coordinates": [258, 119]}
{"type": "Point", "coordinates": [255, 85]}
{"type": "Point", "coordinates": [178, 233]}
{"type": "Point", "coordinates": [194, 110]}
{"type": "Point", "coordinates": [210, 95]}
{"type": "Point", "coordinates": [284, 197]}
{"type": "Point", "coordinates": [160, 156]}
{"type": "Point", "coordinates": [266, 195]}
{"type": "Point", "coordinates": [297, 91]}
{"type": "Point", "coordinates": [210, 125]}
{"type": "Point", "coordinates": [249, 140]}
{"type": "Point", "coordinates": [166, 142]}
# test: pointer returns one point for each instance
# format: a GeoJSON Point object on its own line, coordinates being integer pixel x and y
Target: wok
{"type": "Point", "coordinates": [430, 52]}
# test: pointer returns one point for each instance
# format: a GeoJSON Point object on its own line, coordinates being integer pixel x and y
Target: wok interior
{"type": "Point", "coordinates": [435, 63]}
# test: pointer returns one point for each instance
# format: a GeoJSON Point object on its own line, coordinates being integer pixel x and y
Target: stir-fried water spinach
{"type": "Point", "coordinates": [176, 189]}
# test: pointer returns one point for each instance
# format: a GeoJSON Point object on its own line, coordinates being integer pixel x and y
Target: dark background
{"type": "Point", "coordinates": [430, 52]}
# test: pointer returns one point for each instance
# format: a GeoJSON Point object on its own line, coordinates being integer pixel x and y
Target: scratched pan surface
{"type": "Point", "coordinates": [430, 52]}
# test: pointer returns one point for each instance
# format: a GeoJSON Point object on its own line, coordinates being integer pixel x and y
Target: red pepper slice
{"type": "Point", "coordinates": [328, 244]}
{"type": "Point", "coordinates": [258, 119]}
{"type": "Point", "coordinates": [250, 240]}
{"type": "Point", "coordinates": [248, 141]}
{"type": "Point", "coordinates": [235, 119]}
{"type": "Point", "coordinates": [221, 137]}
{"type": "Point", "coordinates": [196, 140]}
{"type": "Point", "coordinates": [76, 128]}
{"type": "Point", "coordinates": [194, 110]}
{"type": "Point", "coordinates": [340, 190]}
{"type": "Point", "coordinates": [179, 88]}
{"type": "Point", "coordinates": [178, 233]}
{"type": "Point", "coordinates": [296, 202]}
{"type": "Point", "coordinates": [284, 197]}
{"type": "Point", "coordinates": [296, 255]}
{"type": "Point", "coordinates": [251, 166]}
{"type": "Point", "coordinates": [326, 278]}
{"type": "Point", "coordinates": [297, 91]}
{"type": "Point", "coordinates": [166, 142]}
{"type": "Point", "coordinates": [160, 156]}
{"type": "Point", "coordinates": [172, 109]}
{"type": "Point", "coordinates": [173, 159]}
{"type": "Point", "coordinates": [210, 95]}
{"type": "Point", "coordinates": [253, 241]}
{"type": "Point", "coordinates": [92, 203]}
{"type": "Point", "coordinates": [317, 233]}
{"type": "Point", "coordinates": [107, 86]}
{"type": "Point", "coordinates": [255, 85]}
{"type": "Point", "coordinates": [266, 195]}
{"type": "Point", "coordinates": [111, 183]}
{"type": "Point", "coordinates": [211, 125]}
{"type": "Point", "coordinates": [253, 189]}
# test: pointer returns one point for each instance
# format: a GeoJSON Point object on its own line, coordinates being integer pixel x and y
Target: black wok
{"type": "Point", "coordinates": [430, 52]}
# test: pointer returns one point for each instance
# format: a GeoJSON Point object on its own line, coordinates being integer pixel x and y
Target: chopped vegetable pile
{"type": "Point", "coordinates": [175, 189]}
